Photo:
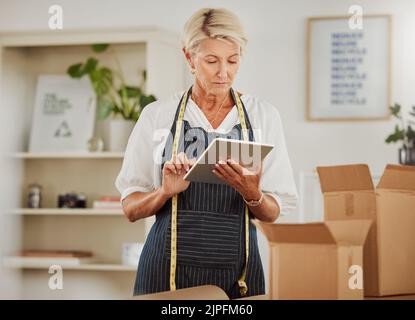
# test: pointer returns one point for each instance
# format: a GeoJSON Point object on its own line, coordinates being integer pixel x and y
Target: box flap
{"type": "Point", "coordinates": [345, 178]}
{"type": "Point", "coordinates": [295, 233]}
{"type": "Point", "coordinates": [398, 177]}
{"type": "Point", "coordinates": [206, 292]}
{"type": "Point", "coordinates": [349, 232]}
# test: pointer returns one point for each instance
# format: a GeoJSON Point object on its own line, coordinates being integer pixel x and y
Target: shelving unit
{"type": "Point", "coordinates": [67, 212]}
{"type": "Point", "coordinates": [23, 57]}
{"type": "Point", "coordinates": [22, 264]}
{"type": "Point", "coordinates": [86, 155]}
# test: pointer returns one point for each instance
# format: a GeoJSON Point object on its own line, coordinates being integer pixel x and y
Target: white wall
{"type": "Point", "coordinates": [274, 68]}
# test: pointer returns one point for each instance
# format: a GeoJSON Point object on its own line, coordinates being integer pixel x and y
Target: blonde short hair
{"type": "Point", "coordinates": [213, 23]}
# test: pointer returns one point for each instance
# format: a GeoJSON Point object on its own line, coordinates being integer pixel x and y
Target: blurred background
{"type": "Point", "coordinates": [78, 218]}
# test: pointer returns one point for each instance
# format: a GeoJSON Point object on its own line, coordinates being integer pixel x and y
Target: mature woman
{"type": "Point", "coordinates": [202, 233]}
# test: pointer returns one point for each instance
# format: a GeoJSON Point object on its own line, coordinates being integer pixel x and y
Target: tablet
{"type": "Point", "coordinates": [247, 153]}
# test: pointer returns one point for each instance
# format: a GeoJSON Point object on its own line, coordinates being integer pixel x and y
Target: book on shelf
{"type": "Point", "coordinates": [56, 253]}
{"type": "Point", "coordinates": [19, 261]}
{"type": "Point", "coordinates": [107, 203]}
{"type": "Point", "coordinates": [49, 257]}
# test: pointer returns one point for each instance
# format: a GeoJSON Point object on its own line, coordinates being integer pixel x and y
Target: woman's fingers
{"type": "Point", "coordinates": [218, 174]}
{"type": "Point", "coordinates": [236, 175]}
{"type": "Point", "coordinates": [226, 170]}
{"type": "Point", "coordinates": [255, 170]}
{"type": "Point", "coordinates": [235, 166]}
{"type": "Point", "coordinates": [182, 163]}
{"type": "Point", "coordinates": [169, 166]}
{"type": "Point", "coordinates": [177, 162]}
{"type": "Point", "coordinates": [184, 160]}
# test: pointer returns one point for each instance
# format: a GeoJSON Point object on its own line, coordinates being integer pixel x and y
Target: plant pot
{"type": "Point", "coordinates": [120, 131]}
{"type": "Point", "coordinates": [407, 156]}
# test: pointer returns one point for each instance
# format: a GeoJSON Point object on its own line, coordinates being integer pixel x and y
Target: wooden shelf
{"type": "Point", "coordinates": [69, 155]}
{"type": "Point", "coordinates": [101, 231]}
{"type": "Point", "coordinates": [68, 212]}
{"type": "Point", "coordinates": [22, 264]}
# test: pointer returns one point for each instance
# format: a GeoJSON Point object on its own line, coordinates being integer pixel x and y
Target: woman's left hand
{"type": "Point", "coordinates": [245, 181]}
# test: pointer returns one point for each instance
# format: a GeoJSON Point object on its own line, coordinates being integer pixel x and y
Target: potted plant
{"type": "Point", "coordinates": [405, 133]}
{"type": "Point", "coordinates": [115, 99]}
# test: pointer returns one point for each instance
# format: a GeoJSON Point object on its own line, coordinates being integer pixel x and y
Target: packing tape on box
{"type": "Point", "coordinates": [349, 204]}
{"type": "Point", "coordinates": [350, 257]}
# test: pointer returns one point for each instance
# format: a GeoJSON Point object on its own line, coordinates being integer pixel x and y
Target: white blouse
{"type": "Point", "coordinates": [141, 168]}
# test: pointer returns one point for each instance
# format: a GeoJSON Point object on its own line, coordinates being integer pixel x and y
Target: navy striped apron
{"type": "Point", "coordinates": [210, 230]}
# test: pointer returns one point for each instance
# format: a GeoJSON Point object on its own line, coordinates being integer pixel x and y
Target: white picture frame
{"type": "Point", "coordinates": [348, 69]}
{"type": "Point", "coordinates": [63, 116]}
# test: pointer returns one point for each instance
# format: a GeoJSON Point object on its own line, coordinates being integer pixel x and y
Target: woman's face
{"type": "Point", "coordinates": [216, 63]}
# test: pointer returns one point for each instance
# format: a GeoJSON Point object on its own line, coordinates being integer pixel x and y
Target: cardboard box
{"type": "Point", "coordinates": [316, 260]}
{"type": "Point", "coordinates": [207, 292]}
{"type": "Point", "coordinates": [389, 253]}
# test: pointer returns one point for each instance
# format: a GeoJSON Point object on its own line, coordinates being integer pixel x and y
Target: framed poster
{"type": "Point", "coordinates": [348, 70]}
{"type": "Point", "coordinates": [64, 114]}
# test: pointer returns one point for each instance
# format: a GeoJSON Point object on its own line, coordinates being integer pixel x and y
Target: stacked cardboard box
{"type": "Point", "coordinates": [365, 231]}
{"type": "Point", "coordinates": [389, 252]}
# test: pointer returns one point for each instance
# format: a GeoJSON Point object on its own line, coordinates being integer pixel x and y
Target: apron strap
{"type": "Point", "coordinates": [243, 288]}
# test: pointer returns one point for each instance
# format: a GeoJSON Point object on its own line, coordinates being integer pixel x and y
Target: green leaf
{"type": "Point", "coordinates": [131, 92]}
{"type": "Point", "coordinates": [90, 65]}
{"type": "Point", "coordinates": [75, 70]}
{"type": "Point", "coordinates": [145, 100]}
{"type": "Point", "coordinates": [105, 107]}
{"type": "Point", "coordinates": [101, 87]}
{"type": "Point", "coordinates": [101, 80]}
{"type": "Point", "coordinates": [395, 110]}
{"type": "Point", "coordinates": [117, 109]}
{"type": "Point", "coordinates": [396, 136]}
{"type": "Point", "coordinates": [125, 104]}
{"type": "Point", "coordinates": [106, 74]}
{"type": "Point", "coordinates": [101, 47]}
{"type": "Point", "coordinates": [135, 115]}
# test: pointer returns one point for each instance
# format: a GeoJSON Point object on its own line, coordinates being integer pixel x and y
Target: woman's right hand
{"type": "Point", "coordinates": [173, 172]}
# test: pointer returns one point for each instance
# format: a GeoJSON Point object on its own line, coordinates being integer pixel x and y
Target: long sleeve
{"type": "Point", "coordinates": [137, 171]}
{"type": "Point", "coordinates": [277, 177]}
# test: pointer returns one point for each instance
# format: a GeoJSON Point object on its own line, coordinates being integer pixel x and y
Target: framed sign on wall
{"type": "Point", "coordinates": [348, 70]}
{"type": "Point", "coordinates": [64, 114]}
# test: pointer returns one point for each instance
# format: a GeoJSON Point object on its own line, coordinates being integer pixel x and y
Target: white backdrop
{"type": "Point", "coordinates": [274, 66]}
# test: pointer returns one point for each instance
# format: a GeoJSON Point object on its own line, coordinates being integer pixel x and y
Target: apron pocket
{"type": "Point", "coordinates": [206, 239]}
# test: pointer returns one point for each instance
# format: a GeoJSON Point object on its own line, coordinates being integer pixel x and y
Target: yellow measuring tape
{"type": "Point", "coordinates": [243, 288]}
{"type": "Point", "coordinates": [173, 246]}
{"type": "Point", "coordinates": [173, 233]}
